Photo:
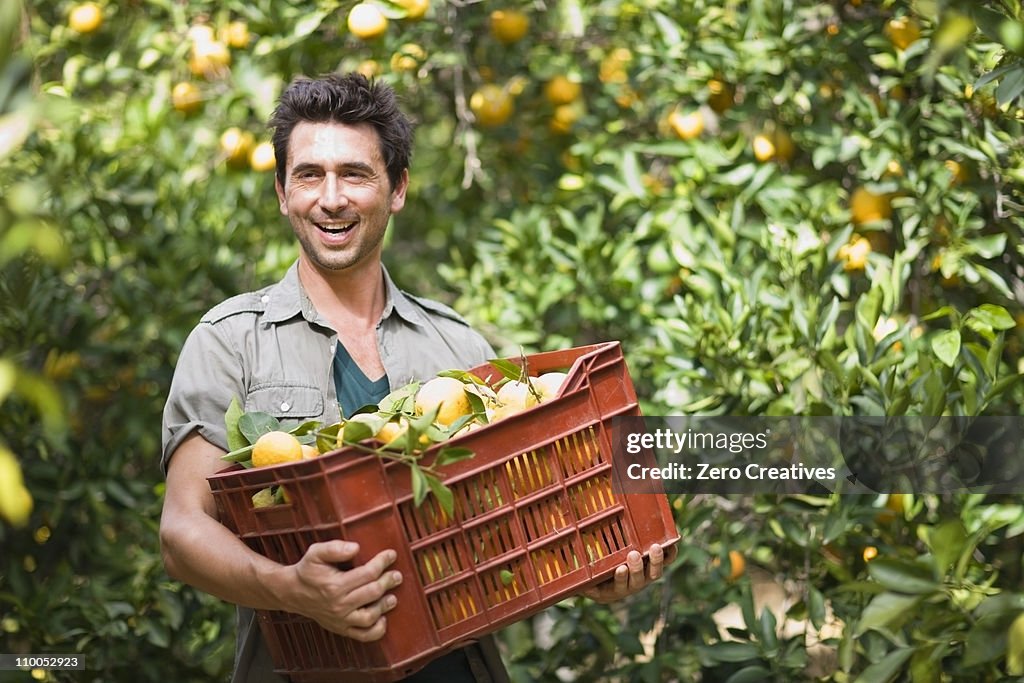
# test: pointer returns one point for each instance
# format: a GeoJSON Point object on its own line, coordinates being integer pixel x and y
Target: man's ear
{"type": "Point", "coordinates": [398, 194]}
{"type": "Point", "coordinates": [280, 196]}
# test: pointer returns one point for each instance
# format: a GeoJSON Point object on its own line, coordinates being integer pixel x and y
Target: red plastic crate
{"type": "Point", "coordinates": [536, 500]}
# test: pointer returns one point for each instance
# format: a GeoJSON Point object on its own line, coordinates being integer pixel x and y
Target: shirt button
{"type": "Point", "coordinates": [264, 298]}
{"type": "Point", "coordinates": [285, 407]}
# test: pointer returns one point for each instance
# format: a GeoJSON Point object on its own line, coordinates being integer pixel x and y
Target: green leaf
{"type": "Point", "coordinates": [946, 346]}
{"type": "Point", "coordinates": [996, 317]}
{"type": "Point", "coordinates": [886, 669]}
{"type": "Point", "coordinates": [731, 652]}
{"type": "Point", "coordinates": [240, 455]}
{"type": "Point", "coordinates": [236, 439]}
{"type": "Point", "coordinates": [452, 454]}
{"type": "Point", "coordinates": [256, 424]}
{"type": "Point", "coordinates": [362, 426]}
{"type": "Point", "coordinates": [507, 368]}
{"type": "Point", "coordinates": [750, 674]}
{"type": "Point", "coordinates": [327, 438]}
{"type": "Point", "coordinates": [947, 542]}
{"type": "Point", "coordinates": [420, 484]}
{"type": "Point", "coordinates": [1015, 647]}
{"type": "Point", "coordinates": [902, 576]}
{"type": "Point", "coordinates": [444, 495]}
{"type": "Point", "coordinates": [304, 428]}
{"type": "Point", "coordinates": [883, 609]}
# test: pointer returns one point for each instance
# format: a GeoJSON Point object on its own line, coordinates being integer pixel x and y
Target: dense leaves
{"type": "Point", "coordinates": [779, 207]}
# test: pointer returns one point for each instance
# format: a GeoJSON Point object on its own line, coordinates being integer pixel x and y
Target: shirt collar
{"type": "Point", "coordinates": [287, 299]}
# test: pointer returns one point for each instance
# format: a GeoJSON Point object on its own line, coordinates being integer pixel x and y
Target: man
{"type": "Point", "coordinates": [333, 335]}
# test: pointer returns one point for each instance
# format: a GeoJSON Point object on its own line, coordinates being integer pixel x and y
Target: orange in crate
{"type": "Point", "coordinates": [536, 521]}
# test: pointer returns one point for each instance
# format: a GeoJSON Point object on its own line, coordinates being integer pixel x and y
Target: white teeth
{"type": "Point", "coordinates": [333, 228]}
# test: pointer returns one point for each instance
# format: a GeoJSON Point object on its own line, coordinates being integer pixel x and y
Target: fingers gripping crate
{"type": "Point", "coordinates": [535, 520]}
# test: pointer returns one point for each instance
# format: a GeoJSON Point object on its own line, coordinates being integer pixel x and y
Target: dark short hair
{"type": "Point", "coordinates": [344, 98]}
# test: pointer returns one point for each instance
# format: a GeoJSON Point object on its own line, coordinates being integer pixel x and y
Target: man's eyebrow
{"type": "Point", "coordinates": [352, 165]}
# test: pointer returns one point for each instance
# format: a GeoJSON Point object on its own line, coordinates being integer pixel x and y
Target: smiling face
{"type": "Point", "coordinates": [337, 195]}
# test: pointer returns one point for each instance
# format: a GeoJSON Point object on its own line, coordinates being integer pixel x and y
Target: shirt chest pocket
{"type": "Point", "coordinates": [286, 401]}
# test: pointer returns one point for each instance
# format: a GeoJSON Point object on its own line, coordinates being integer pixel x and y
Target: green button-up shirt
{"type": "Point", "coordinates": [274, 351]}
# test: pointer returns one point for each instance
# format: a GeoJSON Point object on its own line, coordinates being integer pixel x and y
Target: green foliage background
{"type": "Point", "coordinates": [722, 275]}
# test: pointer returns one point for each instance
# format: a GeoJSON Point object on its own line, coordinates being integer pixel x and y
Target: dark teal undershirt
{"type": "Point", "coordinates": [356, 390]}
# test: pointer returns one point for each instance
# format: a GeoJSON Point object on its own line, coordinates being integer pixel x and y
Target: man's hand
{"type": "Point", "coordinates": [631, 576]}
{"type": "Point", "coordinates": [353, 602]}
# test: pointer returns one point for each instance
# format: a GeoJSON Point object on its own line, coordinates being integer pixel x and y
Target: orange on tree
{"type": "Point", "coordinates": [869, 553]}
{"type": "Point", "coordinates": [209, 58]}
{"type": "Point", "coordinates": [784, 147]}
{"type": "Point", "coordinates": [866, 206]}
{"type": "Point", "coordinates": [367, 21]}
{"type": "Point", "coordinates": [186, 97]}
{"type": "Point", "coordinates": [687, 126]}
{"type": "Point", "coordinates": [414, 9]}
{"type": "Point", "coordinates": [491, 104]}
{"type": "Point", "coordinates": [235, 145]}
{"type": "Point", "coordinates": [737, 565]}
{"type": "Point", "coordinates": [262, 157]}
{"type": "Point", "coordinates": [86, 17]}
{"type": "Point", "coordinates": [235, 34]}
{"type": "Point", "coordinates": [563, 118]}
{"type": "Point", "coordinates": [958, 171]}
{"type": "Point", "coordinates": [854, 254]}
{"type": "Point", "coordinates": [613, 66]}
{"type": "Point", "coordinates": [720, 96]}
{"type": "Point", "coordinates": [276, 447]}
{"type": "Point", "coordinates": [764, 148]}
{"type": "Point", "coordinates": [903, 32]}
{"type": "Point", "coordinates": [561, 90]}
{"type": "Point", "coordinates": [408, 57]}
{"type": "Point", "coordinates": [509, 25]}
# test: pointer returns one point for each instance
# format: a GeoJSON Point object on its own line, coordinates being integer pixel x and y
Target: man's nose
{"type": "Point", "coordinates": [332, 194]}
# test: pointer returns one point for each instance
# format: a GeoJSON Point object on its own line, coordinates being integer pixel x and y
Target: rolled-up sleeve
{"type": "Point", "coordinates": [208, 374]}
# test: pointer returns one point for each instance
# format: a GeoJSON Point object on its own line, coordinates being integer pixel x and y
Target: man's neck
{"type": "Point", "coordinates": [353, 298]}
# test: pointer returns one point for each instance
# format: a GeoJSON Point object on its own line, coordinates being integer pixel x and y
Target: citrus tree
{"type": "Point", "coordinates": [794, 207]}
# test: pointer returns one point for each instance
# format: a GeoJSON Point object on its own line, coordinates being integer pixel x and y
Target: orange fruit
{"type": "Point", "coordinates": [186, 97]}
{"type": "Point", "coordinates": [513, 397]}
{"type": "Point", "coordinates": [509, 25]}
{"type": "Point", "coordinates": [560, 90]}
{"type": "Point", "coordinates": [408, 57]}
{"type": "Point", "coordinates": [414, 9]}
{"type": "Point", "coordinates": [235, 34]}
{"type": "Point", "coordinates": [720, 96]}
{"type": "Point", "coordinates": [903, 32]}
{"type": "Point", "coordinates": [869, 553]}
{"type": "Point", "coordinates": [866, 206]}
{"type": "Point", "coordinates": [86, 17]}
{"type": "Point", "coordinates": [276, 447]}
{"type": "Point", "coordinates": [854, 254]}
{"type": "Point", "coordinates": [491, 104]}
{"type": "Point", "coordinates": [366, 21]}
{"type": "Point", "coordinates": [235, 145]}
{"type": "Point", "coordinates": [447, 395]}
{"type": "Point", "coordinates": [686, 126]}
{"type": "Point", "coordinates": [262, 158]}
{"type": "Point", "coordinates": [209, 59]}
{"type": "Point", "coordinates": [764, 148]}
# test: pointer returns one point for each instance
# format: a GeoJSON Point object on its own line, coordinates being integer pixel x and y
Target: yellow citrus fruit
{"type": "Point", "coordinates": [548, 384]}
{"type": "Point", "coordinates": [414, 9]}
{"type": "Point", "coordinates": [366, 21]}
{"type": "Point", "coordinates": [391, 431]}
{"type": "Point", "coordinates": [784, 147]}
{"type": "Point", "coordinates": [560, 90]}
{"type": "Point", "coordinates": [563, 118]}
{"type": "Point", "coordinates": [958, 170]}
{"type": "Point", "coordinates": [737, 565]}
{"type": "Point", "coordinates": [854, 254]}
{"type": "Point", "coordinates": [513, 397]}
{"type": "Point", "coordinates": [186, 97]}
{"type": "Point", "coordinates": [209, 59]}
{"type": "Point", "coordinates": [447, 395]}
{"type": "Point", "coordinates": [15, 500]}
{"type": "Point", "coordinates": [869, 553]}
{"type": "Point", "coordinates": [235, 145]}
{"type": "Point", "coordinates": [408, 57]}
{"type": "Point", "coordinates": [309, 452]}
{"type": "Point", "coordinates": [201, 33]}
{"type": "Point", "coordinates": [903, 32]}
{"type": "Point", "coordinates": [369, 68]}
{"type": "Point", "coordinates": [262, 158]}
{"type": "Point", "coordinates": [687, 126]}
{"type": "Point", "coordinates": [764, 148]}
{"type": "Point", "coordinates": [613, 66]}
{"type": "Point", "coordinates": [235, 34]}
{"type": "Point", "coordinates": [720, 95]}
{"type": "Point", "coordinates": [509, 25]}
{"type": "Point", "coordinates": [263, 498]}
{"type": "Point", "coordinates": [86, 17]}
{"type": "Point", "coordinates": [894, 169]}
{"type": "Point", "coordinates": [866, 206]}
{"type": "Point", "coordinates": [491, 105]}
{"type": "Point", "coordinates": [276, 447]}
